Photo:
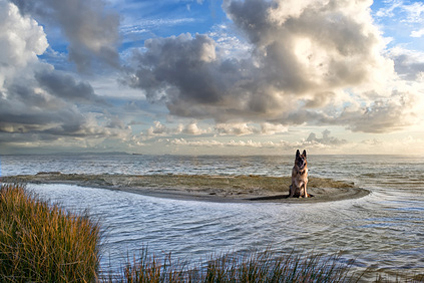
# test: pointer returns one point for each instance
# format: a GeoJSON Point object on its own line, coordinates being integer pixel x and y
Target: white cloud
{"type": "Point", "coordinates": [409, 15]}
{"type": "Point", "coordinates": [232, 143]}
{"type": "Point", "coordinates": [91, 29]}
{"type": "Point", "coordinates": [21, 40]}
{"type": "Point", "coordinates": [388, 11]}
{"type": "Point", "coordinates": [229, 44]}
{"type": "Point", "coordinates": [272, 129]}
{"type": "Point", "coordinates": [160, 130]}
{"type": "Point", "coordinates": [417, 33]}
{"type": "Point", "coordinates": [327, 142]}
{"type": "Point", "coordinates": [192, 129]}
{"type": "Point", "coordinates": [134, 29]}
{"type": "Point", "coordinates": [415, 12]}
{"type": "Point", "coordinates": [236, 129]}
{"type": "Point", "coordinates": [199, 143]}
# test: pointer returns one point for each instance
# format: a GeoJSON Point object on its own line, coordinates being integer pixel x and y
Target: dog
{"type": "Point", "coordinates": [299, 176]}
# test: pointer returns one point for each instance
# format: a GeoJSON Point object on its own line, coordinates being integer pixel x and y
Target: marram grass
{"type": "Point", "coordinates": [40, 242]}
{"type": "Point", "coordinates": [257, 267]}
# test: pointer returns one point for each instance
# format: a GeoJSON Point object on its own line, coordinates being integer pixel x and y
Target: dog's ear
{"type": "Point", "coordinates": [304, 153]}
{"type": "Point", "coordinates": [297, 153]}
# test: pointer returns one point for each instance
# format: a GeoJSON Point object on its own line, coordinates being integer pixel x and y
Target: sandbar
{"type": "Point", "coordinates": [243, 188]}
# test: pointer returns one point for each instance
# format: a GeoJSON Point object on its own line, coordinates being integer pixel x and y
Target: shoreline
{"type": "Point", "coordinates": [212, 188]}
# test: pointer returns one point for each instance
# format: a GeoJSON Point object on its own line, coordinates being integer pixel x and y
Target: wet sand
{"type": "Point", "coordinates": [204, 187]}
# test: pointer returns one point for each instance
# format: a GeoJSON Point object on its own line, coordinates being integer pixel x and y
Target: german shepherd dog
{"type": "Point", "coordinates": [299, 176]}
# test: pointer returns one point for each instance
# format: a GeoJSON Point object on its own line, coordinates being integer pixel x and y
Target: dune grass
{"type": "Point", "coordinates": [256, 267]}
{"type": "Point", "coordinates": [40, 242]}
{"type": "Point", "coordinates": [265, 267]}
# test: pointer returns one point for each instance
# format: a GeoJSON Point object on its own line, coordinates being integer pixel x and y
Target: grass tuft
{"type": "Point", "coordinates": [257, 267]}
{"type": "Point", "coordinates": [40, 242]}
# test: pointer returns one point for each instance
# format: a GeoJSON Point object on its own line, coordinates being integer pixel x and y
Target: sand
{"type": "Point", "coordinates": [204, 187]}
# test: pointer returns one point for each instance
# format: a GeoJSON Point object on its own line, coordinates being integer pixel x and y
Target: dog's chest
{"type": "Point", "coordinates": [300, 176]}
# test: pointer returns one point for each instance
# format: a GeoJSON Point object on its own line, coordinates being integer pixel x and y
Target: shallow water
{"type": "Point", "coordinates": [383, 231]}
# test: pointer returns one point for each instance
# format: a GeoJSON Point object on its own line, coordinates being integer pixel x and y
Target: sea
{"type": "Point", "coordinates": [382, 232]}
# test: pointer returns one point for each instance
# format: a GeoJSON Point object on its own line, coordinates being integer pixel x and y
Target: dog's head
{"type": "Point", "coordinates": [300, 160]}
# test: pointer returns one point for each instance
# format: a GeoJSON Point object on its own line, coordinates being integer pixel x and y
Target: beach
{"type": "Point", "coordinates": [215, 188]}
{"type": "Point", "coordinates": [195, 206]}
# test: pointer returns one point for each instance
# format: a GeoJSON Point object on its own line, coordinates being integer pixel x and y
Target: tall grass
{"type": "Point", "coordinates": [258, 267]}
{"type": "Point", "coordinates": [40, 242]}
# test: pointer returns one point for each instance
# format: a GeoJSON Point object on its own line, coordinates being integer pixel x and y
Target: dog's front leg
{"type": "Point", "coordinates": [302, 191]}
{"type": "Point", "coordinates": [305, 190]}
{"type": "Point", "coordinates": [292, 189]}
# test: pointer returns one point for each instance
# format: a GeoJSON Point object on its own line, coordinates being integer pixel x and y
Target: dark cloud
{"type": "Point", "coordinates": [37, 113]}
{"type": "Point", "coordinates": [28, 115]}
{"type": "Point", "coordinates": [17, 115]}
{"type": "Point", "coordinates": [92, 30]}
{"type": "Point", "coordinates": [326, 139]}
{"type": "Point", "coordinates": [179, 67]}
{"type": "Point", "coordinates": [66, 87]}
{"type": "Point", "coordinates": [408, 65]}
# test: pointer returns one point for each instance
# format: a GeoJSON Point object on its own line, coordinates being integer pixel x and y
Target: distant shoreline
{"type": "Point", "coordinates": [248, 189]}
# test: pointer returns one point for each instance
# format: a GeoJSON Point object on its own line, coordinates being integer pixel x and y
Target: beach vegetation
{"type": "Point", "coordinates": [255, 267]}
{"type": "Point", "coordinates": [40, 242]}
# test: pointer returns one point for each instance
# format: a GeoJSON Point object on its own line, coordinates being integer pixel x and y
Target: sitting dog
{"type": "Point", "coordinates": [299, 176]}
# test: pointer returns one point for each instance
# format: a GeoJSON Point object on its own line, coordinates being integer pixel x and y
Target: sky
{"type": "Point", "coordinates": [238, 77]}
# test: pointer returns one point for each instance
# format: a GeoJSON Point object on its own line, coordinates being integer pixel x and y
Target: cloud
{"type": "Point", "coordinates": [221, 129]}
{"type": "Point", "coordinates": [326, 139]}
{"type": "Point", "coordinates": [231, 143]}
{"type": "Point", "coordinates": [91, 29]}
{"type": "Point", "coordinates": [242, 129]}
{"type": "Point", "coordinates": [404, 145]}
{"type": "Point", "coordinates": [159, 130]}
{"type": "Point", "coordinates": [409, 16]}
{"type": "Point", "coordinates": [272, 129]}
{"type": "Point", "coordinates": [409, 64]}
{"type": "Point", "coordinates": [312, 142]}
{"type": "Point", "coordinates": [37, 102]}
{"type": "Point", "coordinates": [178, 60]}
{"type": "Point", "coordinates": [307, 62]}
{"type": "Point", "coordinates": [201, 143]}
{"type": "Point", "coordinates": [414, 11]}
{"type": "Point", "coordinates": [192, 129]}
{"type": "Point", "coordinates": [417, 33]}
{"type": "Point", "coordinates": [388, 11]}
{"type": "Point", "coordinates": [236, 129]}
{"type": "Point", "coordinates": [21, 40]}
{"type": "Point", "coordinates": [383, 115]}
{"type": "Point", "coordinates": [66, 87]}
